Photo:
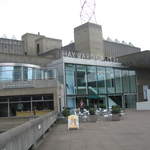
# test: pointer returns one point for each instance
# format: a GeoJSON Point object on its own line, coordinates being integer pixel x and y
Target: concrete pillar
{"type": "Point", "coordinates": [31, 104]}
{"type": "Point", "coordinates": [8, 108]}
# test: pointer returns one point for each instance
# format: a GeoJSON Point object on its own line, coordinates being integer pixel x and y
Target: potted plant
{"type": "Point", "coordinates": [102, 106]}
{"type": "Point", "coordinates": [92, 116]}
{"type": "Point", "coordinates": [116, 113]}
{"type": "Point", "coordinates": [66, 112]}
{"type": "Point", "coordinates": [63, 116]}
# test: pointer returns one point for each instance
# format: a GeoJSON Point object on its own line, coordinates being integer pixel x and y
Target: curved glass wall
{"type": "Point", "coordinates": [18, 73]}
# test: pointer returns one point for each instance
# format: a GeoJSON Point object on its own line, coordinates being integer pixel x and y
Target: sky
{"type": "Point", "coordinates": [126, 20]}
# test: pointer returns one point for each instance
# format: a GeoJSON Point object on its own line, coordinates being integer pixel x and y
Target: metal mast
{"type": "Point", "coordinates": [87, 13]}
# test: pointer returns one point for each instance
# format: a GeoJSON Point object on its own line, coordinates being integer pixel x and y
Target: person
{"type": "Point", "coordinates": [81, 106]}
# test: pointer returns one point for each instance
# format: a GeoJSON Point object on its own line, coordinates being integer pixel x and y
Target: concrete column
{"type": "Point", "coordinates": [31, 103]}
{"type": "Point", "coordinates": [8, 108]}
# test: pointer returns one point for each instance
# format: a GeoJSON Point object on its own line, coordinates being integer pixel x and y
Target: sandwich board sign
{"type": "Point", "coordinates": [73, 122]}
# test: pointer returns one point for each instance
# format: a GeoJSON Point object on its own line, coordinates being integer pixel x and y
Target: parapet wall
{"type": "Point", "coordinates": [25, 136]}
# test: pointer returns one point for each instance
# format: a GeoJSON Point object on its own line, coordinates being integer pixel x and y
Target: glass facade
{"type": "Point", "coordinates": [101, 80]}
{"type": "Point", "coordinates": [70, 82]}
{"type": "Point", "coordinates": [81, 77]}
{"type": "Point", "coordinates": [17, 73]}
{"type": "Point", "coordinates": [110, 80]}
{"type": "Point", "coordinates": [96, 84]}
{"type": "Point", "coordinates": [91, 80]}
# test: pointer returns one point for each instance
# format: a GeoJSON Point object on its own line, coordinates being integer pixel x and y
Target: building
{"type": "Point", "coordinates": [38, 73]}
{"type": "Point", "coordinates": [140, 63]}
{"type": "Point", "coordinates": [94, 82]}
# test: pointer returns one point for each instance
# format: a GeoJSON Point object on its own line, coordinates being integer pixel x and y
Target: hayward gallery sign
{"type": "Point", "coordinates": [74, 54]}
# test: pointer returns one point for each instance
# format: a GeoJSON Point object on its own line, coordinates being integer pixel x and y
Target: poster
{"type": "Point", "coordinates": [73, 122]}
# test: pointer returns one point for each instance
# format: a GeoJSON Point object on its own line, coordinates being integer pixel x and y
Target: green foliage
{"type": "Point", "coordinates": [92, 111]}
{"type": "Point", "coordinates": [66, 112]}
{"type": "Point", "coordinates": [102, 106]}
{"type": "Point", "coordinates": [116, 109]}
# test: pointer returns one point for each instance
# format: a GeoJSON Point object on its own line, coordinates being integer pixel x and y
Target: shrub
{"type": "Point", "coordinates": [66, 112]}
{"type": "Point", "coordinates": [92, 111]}
{"type": "Point", "coordinates": [102, 106]}
{"type": "Point", "coordinates": [115, 109]}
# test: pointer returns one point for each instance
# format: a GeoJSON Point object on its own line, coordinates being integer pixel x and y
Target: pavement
{"type": "Point", "coordinates": [132, 133]}
{"type": "Point", "coordinates": [11, 122]}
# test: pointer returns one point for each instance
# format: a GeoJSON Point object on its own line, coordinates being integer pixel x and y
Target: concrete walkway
{"type": "Point", "coordinates": [132, 133]}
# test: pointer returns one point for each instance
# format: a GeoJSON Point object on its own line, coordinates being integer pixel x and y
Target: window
{"type": "Point", "coordinates": [132, 77]}
{"type": "Point", "coordinates": [110, 80]}
{"type": "Point", "coordinates": [101, 80]}
{"type": "Point", "coordinates": [91, 78]}
{"type": "Point", "coordinates": [125, 80]}
{"type": "Point", "coordinates": [70, 79]}
{"type": "Point", "coordinates": [81, 79]}
{"type": "Point", "coordinates": [118, 81]}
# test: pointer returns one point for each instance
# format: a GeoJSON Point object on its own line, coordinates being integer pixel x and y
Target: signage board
{"type": "Point", "coordinates": [73, 122]}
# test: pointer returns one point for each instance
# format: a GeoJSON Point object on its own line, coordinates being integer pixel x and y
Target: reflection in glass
{"type": "Point", "coordinates": [81, 79]}
{"type": "Point", "coordinates": [110, 80]}
{"type": "Point", "coordinates": [70, 78]}
{"type": "Point", "coordinates": [101, 80]}
{"type": "Point", "coordinates": [125, 80]}
{"type": "Point", "coordinates": [71, 102]}
{"type": "Point", "coordinates": [25, 73]}
{"type": "Point", "coordinates": [118, 81]}
{"type": "Point", "coordinates": [91, 78]}
{"type": "Point", "coordinates": [38, 74]}
{"type": "Point", "coordinates": [17, 73]}
{"type": "Point", "coordinates": [132, 81]}
{"type": "Point", "coordinates": [130, 101]}
{"type": "Point", "coordinates": [6, 73]}
{"type": "Point", "coordinates": [29, 73]}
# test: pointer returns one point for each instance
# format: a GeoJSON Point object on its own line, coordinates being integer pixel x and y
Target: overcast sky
{"type": "Point", "coordinates": [127, 20]}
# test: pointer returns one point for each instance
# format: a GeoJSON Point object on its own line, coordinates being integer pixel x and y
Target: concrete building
{"type": "Point", "coordinates": [140, 62]}
{"type": "Point", "coordinates": [37, 73]}
{"type": "Point", "coordinates": [36, 44]}
{"type": "Point", "coordinates": [89, 39]}
{"type": "Point", "coordinates": [8, 46]}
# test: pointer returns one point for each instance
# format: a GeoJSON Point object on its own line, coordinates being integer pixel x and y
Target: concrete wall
{"type": "Point", "coordinates": [89, 39]}
{"type": "Point", "coordinates": [29, 43]}
{"type": "Point", "coordinates": [47, 44]}
{"type": "Point", "coordinates": [11, 46]}
{"type": "Point", "coordinates": [113, 49]}
{"type": "Point", "coordinates": [143, 105]}
{"type": "Point", "coordinates": [7, 58]}
{"type": "Point", "coordinates": [26, 136]}
{"type": "Point", "coordinates": [38, 87]}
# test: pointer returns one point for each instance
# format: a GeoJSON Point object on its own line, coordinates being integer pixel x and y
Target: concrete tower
{"type": "Point", "coordinates": [89, 39]}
